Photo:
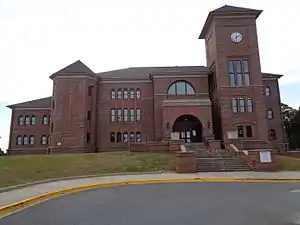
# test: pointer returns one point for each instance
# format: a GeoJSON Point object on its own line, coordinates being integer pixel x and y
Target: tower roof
{"type": "Point", "coordinates": [76, 68]}
{"type": "Point", "coordinates": [225, 10]}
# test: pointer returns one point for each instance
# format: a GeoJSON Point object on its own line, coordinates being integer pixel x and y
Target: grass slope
{"type": "Point", "coordinates": [22, 169]}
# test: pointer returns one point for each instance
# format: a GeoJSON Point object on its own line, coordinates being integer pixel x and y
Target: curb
{"type": "Point", "coordinates": [10, 188]}
{"type": "Point", "coordinates": [34, 200]}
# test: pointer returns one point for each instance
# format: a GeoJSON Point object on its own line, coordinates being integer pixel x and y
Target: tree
{"type": "Point", "coordinates": [291, 119]}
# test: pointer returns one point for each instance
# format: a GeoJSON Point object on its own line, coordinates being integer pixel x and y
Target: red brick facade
{"type": "Point", "coordinates": [91, 112]}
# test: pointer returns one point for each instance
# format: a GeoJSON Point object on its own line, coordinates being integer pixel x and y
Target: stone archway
{"type": "Point", "coordinates": [189, 128]}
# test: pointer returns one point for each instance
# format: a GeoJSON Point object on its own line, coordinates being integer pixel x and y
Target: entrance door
{"type": "Point", "coordinates": [189, 128]}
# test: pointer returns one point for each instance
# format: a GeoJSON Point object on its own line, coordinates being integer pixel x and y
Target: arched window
{"type": "Point", "coordinates": [119, 137]}
{"type": "Point", "coordinates": [132, 136]}
{"type": "Point", "coordinates": [113, 94]}
{"type": "Point", "coordinates": [234, 105]}
{"type": "Point", "coordinates": [181, 88]}
{"type": "Point", "coordinates": [249, 105]}
{"type": "Point", "coordinates": [138, 93]}
{"type": "Point", "coordinates": [138, 137]}
{"type": "Point", "coordinates": [32, 120]}
{"type": "Point", "coordinates": [267, 91]}
{"type": "Point", "coordinates": [119, 94]}
{"type": "Point", "coordinates": [113, 115]}
{"type": "Point", "coordinates": [272, 134]}
{"type": "Point", "coordinates": [21, 120]}
{"type": "Point", "coordinates": [19, 140]}
{"type": "Point", "coordinates": [31, 140]}
{"type": "Point", "coordinates": [125, 94]}
{"type": "Point", "coordinates": [242, 104]}
{"type": "Point", "coordinates": [25, 140]}
{"type": "Point", "coordinates": [131, 93]}
{"type": "Point", "coordinates": [45, 119]}
{"type": "Point", "coordinates": [270, 114]}
{"type": "Point", "coordinates": [27, 120]}
{"type": "Point", "coordinates": [125, 137]}
{"type": "Point", "coordinates": [125, 115]}
{"type": "Point", "coordinates": [44, 139]}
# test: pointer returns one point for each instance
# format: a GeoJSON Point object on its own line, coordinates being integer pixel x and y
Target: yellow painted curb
{"type": "Point", "coordinates": [31, 201]}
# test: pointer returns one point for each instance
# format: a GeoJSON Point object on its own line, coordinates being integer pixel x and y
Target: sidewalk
{"type": "Point", "coordinates": [17, 195]}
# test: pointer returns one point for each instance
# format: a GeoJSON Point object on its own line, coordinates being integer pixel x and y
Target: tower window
{"type": "Point", "coordinates": [238, 73]}
{"type": "Point", "coordinates": [267, 91]}
{"type": "Point", "coordinates": [270, 114]}
{"type": "Point", "coordinates": [234, 105]}
{"type": "Point", "coordinates": [181, 88]}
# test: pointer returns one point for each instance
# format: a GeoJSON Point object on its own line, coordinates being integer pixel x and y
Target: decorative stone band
{"type": "Point", "coordinates": [186, 102]}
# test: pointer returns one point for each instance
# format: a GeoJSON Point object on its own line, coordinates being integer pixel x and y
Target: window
{"type": "Point", "coordinates": [131, 93]}
{"type": "Point", "coordinates": [119, 111]}
{"type": "Point", "coordinates": [112, 137]}
{"type": "Point", "coordinates": [125, 115]}
{"type": "Point", "coordinates": [242, 104]}
{"type": "Point", "coordinates": [125, 94]}
{"type": "Point", "coordinates": [53, 104]}
{"type": "Point", "coordinates": [234, 105]}
{"type": "Point", "coordinates": [19, 140]}
{"type": "Point", "coordinates": [267, 91]}
{"type": "Point", "coordinates": [272, 134]}
{"type": "Point", "coordinates": [88, 137]}
{"type": "Point", "coordinates": [119, 94]}
{"type": "Point", "coordinates": [31, 140]}
{"type": "Point", "coordinates": [25, 140]}
{"type": "Point", "coordinates": [240, 131]}
{"type": "Point", "coordinates": [131, 115]}
{"type": "Point", "coordinates": [32, 120]}
{"type": "Point", "coordinates": [113, 115]}
{"type": "Point", "coordinates": [44, 140]}
{"type": "Point", "coordinates": [249, 131]}
{"type": "Point", "coordinates": [125, 137]}
{"type": "Point", "coordinates": [113, 94]}
{"type": "Point", "coordinates": [181, 88]}
{"type": "Point", "coordinates": [45, 119]}
{"type": "Point", "coordinates": [90, 90]}
{"type": "Point", "coordinates": [89, 115]}
{"type": "Point", "coordinates": [231, 73]}
{"type": "Point", "coordinates": [249, 105]}
{"type": "Point", "coordinates": [27, 120]}
{"type": "Point", "coordinates": [138, 93]}
{"type": "Point", "coordinates": [138, 137]}
{"type": "Point", "coordinates": [21, 120]}
{"type": "Point", "coordinates": [138, 115]}
{"type": "Point", "coordinates": [119, 137]}
{"type": "Point", "coordinates": [132, 138]}
{"type": "Point", "coordinates": [270, 114]}
{"type": "Point", "coordinates": [238, 73]}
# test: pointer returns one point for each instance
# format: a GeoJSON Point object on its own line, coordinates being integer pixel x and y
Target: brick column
{"type": "Point", "coordinates": [186, 162]}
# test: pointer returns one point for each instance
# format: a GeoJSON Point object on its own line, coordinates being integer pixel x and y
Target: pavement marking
{"type": "Point", "coordinates": [37, 199]}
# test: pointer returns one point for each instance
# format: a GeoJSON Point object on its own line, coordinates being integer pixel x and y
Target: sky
{"type": "Point", "coordinates": [40, 37]}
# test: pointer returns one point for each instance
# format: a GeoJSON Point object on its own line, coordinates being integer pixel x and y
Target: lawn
{"type": "Point", "coordinates": [22, 169]}
{"type": "Point", "coordinates": [289, 163]}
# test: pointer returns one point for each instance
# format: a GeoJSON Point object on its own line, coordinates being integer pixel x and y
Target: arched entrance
{"type": "Point", "coordinates": [189, 128]}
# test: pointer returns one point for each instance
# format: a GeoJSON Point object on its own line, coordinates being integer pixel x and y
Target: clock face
{"type": "Point", "coordinates": [236, 37]}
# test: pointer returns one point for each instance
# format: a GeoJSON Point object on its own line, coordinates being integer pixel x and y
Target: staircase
{"type": "Point", "coordinates": [213, 162]}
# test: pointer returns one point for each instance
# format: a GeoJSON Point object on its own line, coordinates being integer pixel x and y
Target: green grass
{"type": "Point", "coordinates": [22, 169]}
{"type": "Point", "coordinates": [289, 163]}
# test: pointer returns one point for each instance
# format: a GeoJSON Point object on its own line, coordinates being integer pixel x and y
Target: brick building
{"type": "Point", "coordinates": [93, 112]}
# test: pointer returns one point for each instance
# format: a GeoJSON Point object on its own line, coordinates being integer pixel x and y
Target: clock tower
{"type": "Point", "coordinates": [236, 82]}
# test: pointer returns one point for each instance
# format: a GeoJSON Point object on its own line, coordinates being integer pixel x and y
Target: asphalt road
{"type": "Point", "coordinates": [170, 204]}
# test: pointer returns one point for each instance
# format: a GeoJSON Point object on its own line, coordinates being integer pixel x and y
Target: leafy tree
{"type": "Point", "coordinates": [291, 119]}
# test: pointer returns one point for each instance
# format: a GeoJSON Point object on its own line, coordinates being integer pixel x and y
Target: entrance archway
{"type": "Point", "coordinates": [189, 128]}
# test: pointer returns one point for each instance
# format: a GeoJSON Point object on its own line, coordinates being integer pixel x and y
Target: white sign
{"type": "Point", "coordinates": [175, 136]}
{"type": "Point", "coordinates": [232, 135]}
{"type": "Point", "coordinates": [265, 157]}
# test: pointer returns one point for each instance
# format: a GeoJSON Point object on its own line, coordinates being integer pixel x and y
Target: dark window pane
{"type": "Point", "coordinates": [125, 137]}
{"type": "Point", "coordinates": [240, 131]}
{"type": "Point", "coordinates": [88, 137]}
{"type": "Point", "coordinates": [249, 131]}
{"type": "Point", "coordinates": [112, 137]}
{"type": "Point", "coordinates": [119, 137]}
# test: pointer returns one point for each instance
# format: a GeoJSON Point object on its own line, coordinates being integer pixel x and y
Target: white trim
{"type": "Point", "coordinates": [31, 109]}
{"type": "Point", "coordinates": [181, 76]}
{"type": "Point", "coordinates": [124, 81]}
{"type": "Point", "coordinates": [186, 102]}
